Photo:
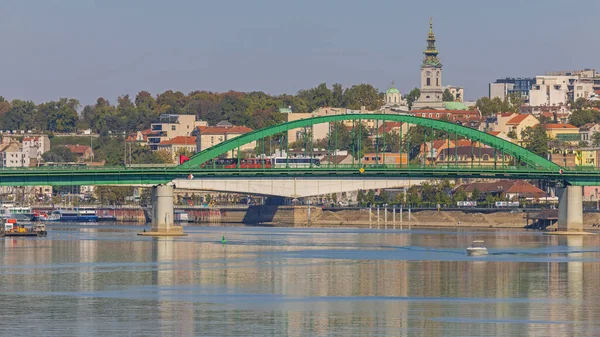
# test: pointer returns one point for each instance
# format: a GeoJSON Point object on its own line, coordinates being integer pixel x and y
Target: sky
{"type": "Point", "coordinates": [86, 49]}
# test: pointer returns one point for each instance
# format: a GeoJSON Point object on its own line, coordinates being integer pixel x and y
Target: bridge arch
{"type": "Point", "coordinates": [521, 154]}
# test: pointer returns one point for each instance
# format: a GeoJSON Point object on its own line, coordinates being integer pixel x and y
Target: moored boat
{"type": "Point", "coordinates": [477, 248]}
{"type": "Point", "coordinates": [12, 229]}
{"type": "Point", "coordinates": [72, 215]}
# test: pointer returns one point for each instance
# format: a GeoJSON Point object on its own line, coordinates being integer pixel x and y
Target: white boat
{"type": "Point", "coordinates": [477, 248]}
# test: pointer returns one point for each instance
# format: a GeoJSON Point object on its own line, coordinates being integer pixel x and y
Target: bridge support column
{"type": "Point", "coordinates": [570, 209]}
{"type": "Point", "coordinates": [162, 213]}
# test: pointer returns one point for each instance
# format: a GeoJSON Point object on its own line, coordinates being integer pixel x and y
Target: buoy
{"type": "Point", "coordinates": [57, 234]}
{"type": "Point", "coordinates": [223, 239]}
{"type": "Point", "coordinates": [68, 236]}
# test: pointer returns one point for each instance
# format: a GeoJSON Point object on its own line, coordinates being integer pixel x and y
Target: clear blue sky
{"type": "Point", "coordinates": [85, 49]}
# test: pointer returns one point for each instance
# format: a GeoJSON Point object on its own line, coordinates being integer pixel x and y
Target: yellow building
{"type": "Point", "coordinates": [586, 157]}
{"type": "Point", "coordinates": [212, 135]}
{"type": "Point", "coordinates": [565, 132]}
{"type": "Point", "coordinates": [511, 122]}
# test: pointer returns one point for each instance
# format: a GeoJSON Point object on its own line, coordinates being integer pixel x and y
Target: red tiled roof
{"type": "Point", "coordinates": [78, 149]}
{"type": "Point", "coordinates": [180, 140]}
{"type": "Point", "coordinates": [523, 188]}
{"type": "Point", "coordinates": [505, 114]}
{"type": "Point", "coordinates": [389, 126]}
{"type": "Point", "coordinates": [560, 126]}
{"type": "Point", "coordinates": [517, 119]}
{"type": "Point", "coordinates": [494, 133]}
{"type": "Point", "coordinates": [219, 130]}
{"type": "Point", "coordinates": [27, 139]}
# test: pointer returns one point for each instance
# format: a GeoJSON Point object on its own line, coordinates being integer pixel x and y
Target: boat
{"type": "Point", "coordinates": [9, 211]}
{"type": "Point", "coordinates": [477, 248]}
{"type": "Point", "coordinates": [54, 216]}
{"type": "Point", "coordinates": [40, 229]}
{"type": "Point", "coordinates": [181, 216]}
{"type": "Point", "coordinates": [73, 215]}
{"type": "Point", "coordinates": [12, 229]}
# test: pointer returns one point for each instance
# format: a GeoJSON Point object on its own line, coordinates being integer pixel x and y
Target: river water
{"type": "Point", "coordinates": [106, 281]}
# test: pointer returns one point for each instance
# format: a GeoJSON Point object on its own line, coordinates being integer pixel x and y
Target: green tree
{"type": "Point", "coordinates": [475, 194]}
{"type": "Point", "coordinates": [512, 134]}
{"type": "Point", "coordinates": [361, 95]}
{"type": "Point", "coordinates": [360, 197]}
{"type": "Point", "coordinates": [460, 195]}
{"type": "Point", "coordinates": [413, 197]}
{"type": "Point", "coordinates": [581, 117]}
{"type": "Point", "coordinates": [113, 195]}
{"type": "Point", "coordinates": [596, 138]}
{"type": "Point", "coordinates": [489, 200]}
{"type": "Point", "coordinates": [536, 140]}
{"type": "Point", "coordinates": [447, 96]}
{"type": "Point", "coordinates": [59, 154]}
{"type": "Point", "coordinates": [412, 96]}
{"type": "Point", "coordinates": [370, 197]}
{"type": "Point", "coordinates": [384, 196]}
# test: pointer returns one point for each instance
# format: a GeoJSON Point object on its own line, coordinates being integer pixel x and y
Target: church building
{"type": "Point", "coordinates": [431, 77]}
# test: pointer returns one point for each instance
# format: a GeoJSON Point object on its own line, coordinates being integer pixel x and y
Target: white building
{"type": "Point", "coordinates": [12, 155]}
{"type": "Point", "coordinates": [36, 145]}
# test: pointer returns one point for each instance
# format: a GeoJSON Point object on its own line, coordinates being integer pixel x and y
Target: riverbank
{"type": "Point", "coordinates": [301, 216]}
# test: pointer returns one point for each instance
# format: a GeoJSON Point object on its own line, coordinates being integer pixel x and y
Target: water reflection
{"type": "Point", "coordinates": [300, 282]}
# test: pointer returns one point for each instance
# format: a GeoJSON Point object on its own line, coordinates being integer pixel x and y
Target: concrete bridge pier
{"type": "Point", "coordinates": [570, 210]}
{"type": "Point", "coordinates": [162, 213]}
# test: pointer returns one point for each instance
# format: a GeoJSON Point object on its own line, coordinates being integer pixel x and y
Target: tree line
{"type": "Point", "coordinates": [254, 109]}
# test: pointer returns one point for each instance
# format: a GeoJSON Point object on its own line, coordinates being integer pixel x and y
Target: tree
{"type": "Point", "coordinates": [475, 194]}
{"type": "Point", "coordinates": [370, 197]}
{"type": "Point", "coordinates": [59, 154]}
{"type": "Point", "coordinates": [447, 96]}
{"type": "Point", "coordinates": [412, 196]}
{"type": "Point", "coordinates": [512, 134]}
{"type": "Point", "coordinates": [536, 140]}
{"type": "Point", "coordinates": [460, 195]}
{"type": "Point", "coordinates": [361, 95]}
{"type": "Point", "coordinates": [412, 96]}
{"type": "Point", "coordinates": [184, 152]}
{"type": "Point", "coordinates": [384, 196]}
{"type": "Point", "coordinates": [113, 195]}
{"type": "Point", "coordinates": [360, 197]}
{"type": "Point", "coordinates": [581, 117]}
{"type": "Point", "coordinates": [596, 138]}
{"type": "Point", "coordinates": [489, 199]}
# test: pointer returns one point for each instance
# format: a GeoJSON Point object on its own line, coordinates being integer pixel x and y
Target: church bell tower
{"type": "Point", "coordinates": [431, 76]}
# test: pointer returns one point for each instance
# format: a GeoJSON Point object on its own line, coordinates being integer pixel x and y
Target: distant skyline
{"type": "Point", "coordinates": [86, 49]}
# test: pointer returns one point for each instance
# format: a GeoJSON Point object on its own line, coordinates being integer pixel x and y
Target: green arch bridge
{"type": "Point", "coordinates": [524, 163]}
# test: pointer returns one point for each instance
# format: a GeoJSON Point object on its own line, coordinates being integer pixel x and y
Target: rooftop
{"type": "Point", "coordinates": [217, 130]}
{"type": "Point", "coordinates": [560, 126]}
{"type": "Point", "coordinates": [180, 140]}
{"type": "Point", "coordinates": [78, 149]}
{"type": "Point", "coordinates": [516, 120]}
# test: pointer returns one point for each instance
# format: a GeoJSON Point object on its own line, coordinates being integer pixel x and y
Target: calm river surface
{"type": "Point", "coordinates": [106, 281]}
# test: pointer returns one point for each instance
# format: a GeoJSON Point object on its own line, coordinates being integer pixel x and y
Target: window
{"type": "Point", "coordinates": [437, 82]}
{"type": "Point", "coordinates": [485, 157]}
{"type": "Point", "coordinates": [173, 127]}
{"type": "Point", "coordinates": [428, 81]}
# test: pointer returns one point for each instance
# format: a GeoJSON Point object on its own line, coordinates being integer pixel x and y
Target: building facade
{"type": "Point", "coordinates": [170, 126]}
{"type": "Point", "coordinates": [209, 136]}
{"type": "Point", "coordinates": [503, 87]}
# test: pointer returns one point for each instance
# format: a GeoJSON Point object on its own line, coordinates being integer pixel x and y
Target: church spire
{"type": "Point", "coordinates": [431, 53]}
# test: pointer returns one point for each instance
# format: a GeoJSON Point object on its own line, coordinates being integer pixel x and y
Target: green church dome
{"type": "Point", "coordinates": [392, 90]}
